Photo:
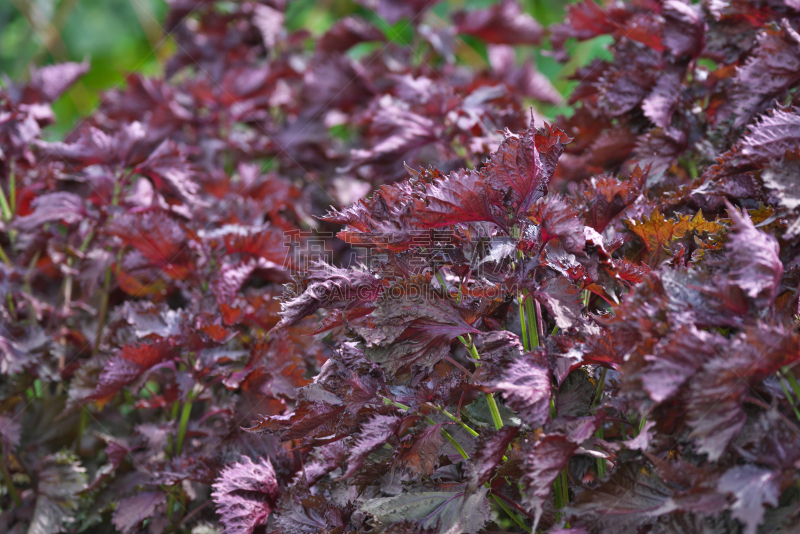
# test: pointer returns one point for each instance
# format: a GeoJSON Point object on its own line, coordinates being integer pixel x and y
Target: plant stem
{"type": "Point", "coordinates": [7, 477]}
{"type": "Point", "coordinates": [454, 363]}
{"type": "Point", "coordinates": [101, 316]}
{"type": "Point", "coordinates": [600, 386]}
{"type": "Point", "coordinates": [12, 191]}
{"type": "Point", "coordinates": [5, 258]}
{"type": "Point", "coordinates": [523, 324]}
{"type": "Point", "coordinates": [602, 465]}
{"type": "Point", "coordinates": [446, 435]}
{"type": "Point", "coordinates": [185, 413]}
{"type": "Point", "coordinates": [511, 514]}
{"type": "Point", "coordinates": [533, 335]}
{"type": "Point", "coordinates": [787, 374]}
{"type": "Point", "coordinates": [455, 420]}
{"type": "Point", "coordinates": [788, 396]}
{"type": "Point", "coordinates": [493, 409]}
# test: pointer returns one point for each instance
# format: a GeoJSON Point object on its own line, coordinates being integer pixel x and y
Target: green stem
{"type": "Point", "coordinates": [5, 258]}
{"type": "Point", "coordinates": [12, 192]}
{"type": "Point", "coordinates": [602, 465]}
{"type": "Point", "coordinates": [600, 386]}
{"type": "Point", "coordinates": [493, 409]}
{"type": "Point", "coordinates": [7, 477]}
{"type": "Point", "coordinates": [530, 312]}
{"type": "Point", "coordinates": [558, 496]}
{"type": "Point", "coordinates": [788, 396]}
{"type": "Point", "coordinates": [26, 284]}
{"type": "Point", "coordinates": [185, 413]}
{"type": "Point", "coordinates": [511, 514]}
{"type": "Point", "coordinates": [101, 316]}
{"type": "Point", "coordinates": [456, 420]}
{"type": "Point", "coordinates": [792, 380]}
{"type": "Point", "coordinates": [523, 324]}
{"type": "Point", "coordinates": [5, 207]}
{"type": "Point", "coordinates": [496, 419]}
{"type": "Point", "coordinates": [450, 439]}
{"type": "Point", "coordinates": [642, 422]}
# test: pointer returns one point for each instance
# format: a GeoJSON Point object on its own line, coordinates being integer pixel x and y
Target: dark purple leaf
{"type": "Point", "coordinates": [752, 487]}
{"type": "Point", "coordinates": [131, 512]}
{"type": "Point", "coordinates": [526, 388]}
{"type": "Point", "coordinates": [422, 457]}
{"type": "Point", "coordinates": [245, 494]}
{"type": "Point", "coordinates": [543, 463]}
{"type": "Point", "coordinates": [757, 268]}
{"type": "Point", "coordinates": [503, 23]}
{"type": "Point", "coordinates": [59, 483]}
{"type": "Point", "coordinates": [625, 502]}
{"type": "Point", "coordinates": [489, 453]}
{"type": "Point", "coordinates": [372, 434]}
{"type": "Point", "coordinates": [562, 300]}
{"type": "Point", "coordinates": [453, 512]}
{"type": "Point", "coordinates": [53, 207]}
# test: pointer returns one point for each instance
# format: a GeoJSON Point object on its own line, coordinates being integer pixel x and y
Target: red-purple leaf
{"type": "Point", "coordinates": [543, 463]}
{"type": "Point", "coordinates": [757, 268]}
{"type": "Point", "coordinates": [53, 207]}
{"type": "Point", "coordinates": [372, 434]}
{"type": "Point", "coordinates": [489, 452]}
{"type": "Point", "coordinates": [245, 494]}
{"type": "Point", "coordinates": [752, 487]}
{"type": "Point", "coordinates": [503, 23]}
{"type": "Point", "coordinates": [422, 457]}
{"type": "Point", "coordinates": [526, 387]}
{"type": "Point", "coordinates": [128, 364]}
{"type": "Point", "coordinates": [131, 512]}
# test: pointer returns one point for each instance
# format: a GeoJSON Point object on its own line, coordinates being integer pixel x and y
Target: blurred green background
{"type": "Point", "coordinates": [123, 36]}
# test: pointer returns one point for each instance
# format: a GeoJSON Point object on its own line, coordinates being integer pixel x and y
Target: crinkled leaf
{"type": "Point", "coordinates": [330, 287]}
{"type": "Point", "coordinates": [53, 207]}
{"type": "Point", "coordinates": [502, 23]}
{"type": "Point", "coordinates": [558, 220]}
{"type": "Point", "coordinates": [772, 69]}
{"type": "Point", "coordinates": [624, 502]}
{"type": "Point", "coordinates": [489, 453]}
{"type": "Point", "coordinates": [562, 300]}
{"type": "Point", "coordinates": [525, 386]}
{"type": "Point", "coordinates": [543, 463]}
{"type": "Point", "coordinates": [59, 482]}
{"type": "Point", "coordinates": [757, 268]}
{"type": "Point", "coordinates": [414, 330]}
{"type": "Point", "coordinates": [132, 511]}
{"type": "Point", "coordinates": [452, 512]}
{"type": "Point", "coordinates": [606, 197]}
{"type": "Point", "coordinates": [422, 457]}
{"type": "Point", "coordinates": [372, 434]}
{"type": "Point", "coordinates": [245, 493]}
{"type": "Point", "coordinates": [128, 364]}
{"type": "Point", "coordinates": [753, 487]}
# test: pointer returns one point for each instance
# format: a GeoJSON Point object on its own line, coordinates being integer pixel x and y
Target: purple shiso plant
{"type": "Point", "coordinates": [353, 285]}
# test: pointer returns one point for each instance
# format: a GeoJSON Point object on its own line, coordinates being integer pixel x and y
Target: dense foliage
{"type": "Point", "coordinates": [588, 326]}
